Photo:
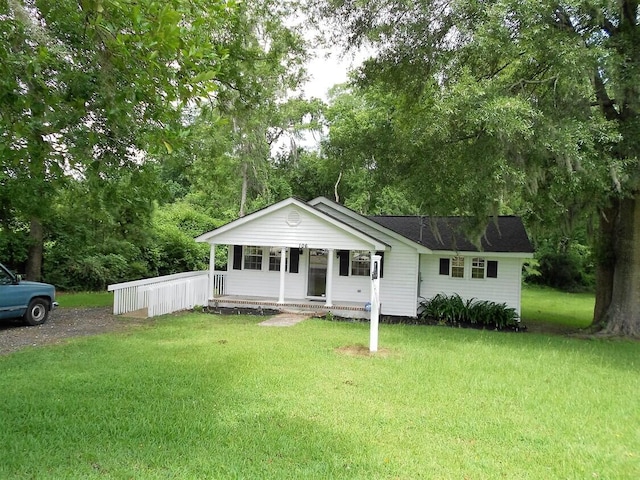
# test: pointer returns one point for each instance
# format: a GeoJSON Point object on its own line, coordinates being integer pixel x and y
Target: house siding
{"type": "Point", "coordinates": [506, 288]}
{"type": "Point", "coordinates": [277, 229]}
{"type": "Point", "coordinates": [265, 283]}
{"type": "Point", "coordinates": [399, 287]}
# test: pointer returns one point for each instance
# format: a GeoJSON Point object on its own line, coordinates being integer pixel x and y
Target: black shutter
{"type": "Point", "coordinates": [343, 255]}
{"type": "Point", "coordinates": [492, 269]}
{"type": "Point", "coordinates": [381, 263]}
{"type": "Point", "coordinates": [294, 260]}
{"type": "Point", "coordinates": [237, 257]}
{"type": "Point", "coordinates": [444, 266]}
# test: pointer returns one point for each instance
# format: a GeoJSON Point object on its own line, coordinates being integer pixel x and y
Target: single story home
{"type": "Point", "coordinates": [317, 254]}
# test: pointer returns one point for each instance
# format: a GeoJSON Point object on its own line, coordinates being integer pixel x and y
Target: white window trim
{"type": "Point", "coordinates": [484, 268]}
{"type": "Point", "coordinates": [352, 262]}
{"type": "Point", "coordinates": [244, 256]}
{"type": "Point", "coordinates": [463, 266]}
{"type": "Point", "coordinates": [277, 257]}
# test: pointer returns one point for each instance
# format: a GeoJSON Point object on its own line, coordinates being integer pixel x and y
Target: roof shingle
{"type": "Point", "coordinates": [446, 233]}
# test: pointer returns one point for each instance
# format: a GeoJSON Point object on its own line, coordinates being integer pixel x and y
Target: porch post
{"type": "Point", "coordinates": [212, 269]}
{"type": "Point", "coordinates": [283, 268]}
{"type": "Point", "coordinates": [329, 282]}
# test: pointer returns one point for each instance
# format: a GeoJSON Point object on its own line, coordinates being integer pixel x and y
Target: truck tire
{"type": "Point", "coordinates": [37, 312]}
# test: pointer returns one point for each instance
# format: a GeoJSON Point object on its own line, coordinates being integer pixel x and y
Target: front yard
{"type": "Point", "coordinates": [204, 396]}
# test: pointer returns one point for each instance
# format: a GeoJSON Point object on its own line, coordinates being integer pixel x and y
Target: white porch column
{"type": "Point", "coordinates": [212, 269]}
{"type": "Point", "coordinates": [328, 292]}
{"type": "Point", "coordinates": [283, 268]}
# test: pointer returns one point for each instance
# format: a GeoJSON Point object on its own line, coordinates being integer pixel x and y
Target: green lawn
{"type": "Point", "coordinates": [84, 299]}
{"type": "Point", "coordinates": [549, 307]}
{"type": "Point", "coordinates": [204, 396]}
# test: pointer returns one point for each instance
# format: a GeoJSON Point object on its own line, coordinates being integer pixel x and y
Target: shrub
{"type": "Point", "coordinates": [569, 267]}
{"type": "Point", "coordinates": [455, 311]}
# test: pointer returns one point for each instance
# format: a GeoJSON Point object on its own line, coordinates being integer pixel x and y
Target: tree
{"type": "Point", "coordinates": [494, 97]}
{"type": "Point", "coordinates": [93, 87]}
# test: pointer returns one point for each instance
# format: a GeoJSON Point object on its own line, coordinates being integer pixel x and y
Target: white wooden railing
{"type": "Point", "coordinates": [166, 294]}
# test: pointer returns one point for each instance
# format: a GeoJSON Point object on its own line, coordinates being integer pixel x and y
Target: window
{"type": "Point", "coordinates": [360, 263]}
{"type": "Point", "coordinates": [477, 267]}
{"type": "Point", "coordinates": [457, 267]}
{"type": "Point", "coordinates": [5, 279]}
{"type": "Point", "coordinates": [252, 258]}
{"type": "Point", "coordinates": [274, 260]}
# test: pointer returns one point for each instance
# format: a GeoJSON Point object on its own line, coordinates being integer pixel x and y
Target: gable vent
{"type": "Point", "coordinates": [294, 219]}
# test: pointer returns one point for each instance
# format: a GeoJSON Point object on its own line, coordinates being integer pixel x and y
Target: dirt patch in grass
{"type": "Point", "coordinates": [362, 351]}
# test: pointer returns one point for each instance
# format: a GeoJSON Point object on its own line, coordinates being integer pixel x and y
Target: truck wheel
{"type": "Point", "coordinates": [37, 312]}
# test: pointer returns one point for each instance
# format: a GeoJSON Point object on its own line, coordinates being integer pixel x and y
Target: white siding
{"type": "Point", "coordinates": [265, 283]}
{"type": "Point", "coordinates": [505, 288]}
{"type": "Point", "coordinates": [276, 229]}
{"type": "Point", "coordinates": [399, 287]}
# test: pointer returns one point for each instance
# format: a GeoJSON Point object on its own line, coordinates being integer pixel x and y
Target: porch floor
{"type": "Point", "coordinates": [316, 307]}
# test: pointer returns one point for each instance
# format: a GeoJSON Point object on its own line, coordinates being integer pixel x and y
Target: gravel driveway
{"type": "Point", "coordinates": [63, 323]}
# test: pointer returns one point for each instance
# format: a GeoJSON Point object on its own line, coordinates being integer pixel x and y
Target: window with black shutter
{"type": "Point", "coordinates": [345, 260]}
{"type": "Point", "coordinates": [294, 258]}
{"type": "Point", "coordinates": [237, 257]}
{"type": "Point", "coordinates": [492, 269]}
{"type": "Point", "coordinates": [381, 263]}
{"type": "Point", "coordinates": [444, 266]}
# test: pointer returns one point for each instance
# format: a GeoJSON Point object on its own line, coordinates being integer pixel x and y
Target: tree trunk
{"type": "Point", "coordinates": [36, 242]}
{"type": "Point", "coordinates": [243, 195]}
{"type": "Point", "coordinates": [623, 315]}
{"type": "Point", "coordinates": [605, 263]}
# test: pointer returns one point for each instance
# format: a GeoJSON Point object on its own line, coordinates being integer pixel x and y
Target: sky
{"type": "Point", "coordinates": [325, 73]}
{"type": "Point", "coordinates": [328, 69]}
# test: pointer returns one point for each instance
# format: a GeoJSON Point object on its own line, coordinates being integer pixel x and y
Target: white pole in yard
{"type": "Point", "coordinates": [375, 301]}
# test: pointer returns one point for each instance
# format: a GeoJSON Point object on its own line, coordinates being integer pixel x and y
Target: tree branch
{"type": "Point", "coordinates": [606, 104]}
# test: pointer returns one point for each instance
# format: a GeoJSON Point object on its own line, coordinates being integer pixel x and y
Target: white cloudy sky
{"type": "Point", "coordinates": [329, 68]}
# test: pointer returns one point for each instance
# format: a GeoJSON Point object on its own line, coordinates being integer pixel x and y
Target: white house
{"type": "Point", "coordinates": [317, 255]}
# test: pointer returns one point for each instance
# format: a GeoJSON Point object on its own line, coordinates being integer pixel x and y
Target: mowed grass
{"type": "Point", "coordinates": [547, 306]}
{"type": "Point", "coordinates": [205, 396]}
{"type": "Point", "coordinates": [84, 299]}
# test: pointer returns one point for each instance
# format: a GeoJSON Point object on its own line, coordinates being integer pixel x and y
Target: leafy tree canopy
{"type": "Point", "coordinates": [491, 98]}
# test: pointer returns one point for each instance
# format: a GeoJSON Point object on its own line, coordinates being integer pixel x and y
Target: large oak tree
{"type": "Point", "coordinates": [492, 97]}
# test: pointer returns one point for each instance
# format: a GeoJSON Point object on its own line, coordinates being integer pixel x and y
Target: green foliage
{"type": "Point", "coordinates": [455, 311]}
{"type": "Point", "coordinates": [570, 268]}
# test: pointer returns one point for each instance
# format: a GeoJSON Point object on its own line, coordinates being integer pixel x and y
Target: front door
{"type": "Point", "coordinates": [317, 282]}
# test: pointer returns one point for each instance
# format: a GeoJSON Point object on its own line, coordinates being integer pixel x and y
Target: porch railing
{"type": "Point", "coordinates": [166, 294]}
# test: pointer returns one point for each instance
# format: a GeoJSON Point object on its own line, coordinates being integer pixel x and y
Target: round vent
{"type": "Point", "coordinates": [293, 219]}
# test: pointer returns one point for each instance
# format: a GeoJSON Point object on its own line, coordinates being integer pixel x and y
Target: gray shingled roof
{"type": "Point", "coordinates": [507, 236]}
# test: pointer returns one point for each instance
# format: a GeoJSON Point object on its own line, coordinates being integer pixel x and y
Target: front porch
{"type": "Point", "coordinates": [313, 307]}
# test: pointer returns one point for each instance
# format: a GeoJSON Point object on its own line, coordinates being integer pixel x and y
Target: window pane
{"type": "Point", "coordinates": [274, 260]}
{"type": "Point", "coordinates": [360, 263]}
{"type": "Point", "coordinates": [253, 258]}
{"type": "Point", "coordinates": [477, 268]}
{"type": "Point", "coordinates": [457, 267]}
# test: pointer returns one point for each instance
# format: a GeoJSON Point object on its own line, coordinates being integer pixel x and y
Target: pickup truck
{"type": "Point", "coordinates": [31, 301]}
